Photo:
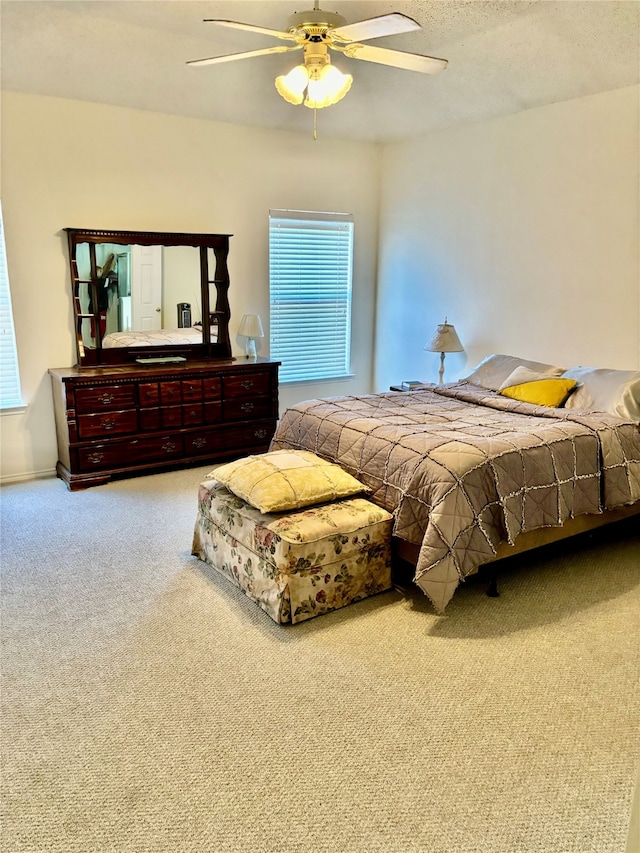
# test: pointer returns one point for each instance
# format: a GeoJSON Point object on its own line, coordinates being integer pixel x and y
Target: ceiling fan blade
{"type": "Point", "coordinates": [237, 25]}
{"type": "Point", "coordinates": [397, 58]}
{"type": "Point", "coordinates": [373, 28]}
{"type": "Point", "coordinates": [230, 57]}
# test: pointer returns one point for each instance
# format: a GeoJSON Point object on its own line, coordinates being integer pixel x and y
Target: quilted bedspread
{"type": "Point", "coordinates": [463, 469]}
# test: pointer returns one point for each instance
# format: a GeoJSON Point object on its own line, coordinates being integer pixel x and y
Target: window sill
{"type": "Point", "coordinates": [13, 410]}
{"type": "Point", "coordinates": [343, 378]}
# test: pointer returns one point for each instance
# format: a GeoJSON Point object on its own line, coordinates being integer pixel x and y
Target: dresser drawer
{"type": "Point", "coordinates": [226, 440]}
{"type": "Point", "coordinates": [149, 393]}
{"type": "Point", "coordinates": [212, 388]}
{"type": "Point", "coordinates": [242, 410]}
{"type": "Point", "coordinates": [165, 417]}
{"type": "Point", "coordinates": [125, 454]}
{"type": "Point", "coordinates": [213, 412]}
{"type": "Point", "coordinates": [245, 385]}
{"type": "Point", "coordinates": [104, 424]}
{"type": "Point", "coordinates": [105, 397]}
{"type": "Point", "coordinates": [191, 389]}
{"type": "Point", "coordinates": [168, 393]}
{"type": "Point", "coordinates": [192, 415]}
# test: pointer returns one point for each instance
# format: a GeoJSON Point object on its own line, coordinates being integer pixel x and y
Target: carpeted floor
{"type": "Point", "coordinates": [149, 707]}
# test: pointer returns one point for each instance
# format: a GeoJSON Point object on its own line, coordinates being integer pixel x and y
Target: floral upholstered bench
{"type": "Point", "coordinates": [299, 562]}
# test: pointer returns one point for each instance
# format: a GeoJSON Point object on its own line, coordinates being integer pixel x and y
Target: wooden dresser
{"type": "Point", "coordinates": [122, 421]}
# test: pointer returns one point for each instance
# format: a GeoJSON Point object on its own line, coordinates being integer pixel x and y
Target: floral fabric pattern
{"type": "Point", "coordinates": [299, 564]}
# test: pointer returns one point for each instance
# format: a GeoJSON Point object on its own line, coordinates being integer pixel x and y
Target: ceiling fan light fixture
{"type": "Point", "coordinates": [292, 86]}
{"type": "Point", "coordinates": [315, 82]}
{"type": "Point", "coordinates": [327, 86]}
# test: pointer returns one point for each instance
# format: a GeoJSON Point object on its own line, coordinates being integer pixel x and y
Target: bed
{"type": "Point", "coordinates": [156, 337]}
{"type": "Point", "coordinates": [468, 470]}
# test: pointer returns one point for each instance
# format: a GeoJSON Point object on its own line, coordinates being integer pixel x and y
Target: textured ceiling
{"type": "Point", "coordinates": [503, 57]}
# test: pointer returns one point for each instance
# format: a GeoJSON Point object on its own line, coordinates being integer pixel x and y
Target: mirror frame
{"type": "Point", "coordinates": [98, 356]}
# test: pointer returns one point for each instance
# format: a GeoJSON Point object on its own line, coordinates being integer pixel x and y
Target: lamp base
{"type": "Point", "coordinates": [441, 371]}
{"type": "Point", "coordinates": [250, 349]}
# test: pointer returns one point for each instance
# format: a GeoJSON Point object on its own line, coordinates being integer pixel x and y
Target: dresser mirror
{"type": "Point", "coordinates": [145, 296]}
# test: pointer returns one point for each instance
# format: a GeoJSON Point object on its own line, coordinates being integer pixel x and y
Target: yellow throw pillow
{"type": "Point", "coordinates": [286, 479]}
{"type": "Point", "coordinates": [542, 392]}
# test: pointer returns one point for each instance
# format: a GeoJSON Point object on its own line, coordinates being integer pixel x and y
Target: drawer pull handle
{"type": "Point", "coordinates": [246, 407]}
{"type": "Point", "coordinates": [95, 458]}
{"type": "Point", "coordinates": [260, 433]}
{"type": "Point", "coordinates": [149, 394]}
{"type": "Point", "coordinates": [248, 383]}
{"type": "Point", "coordinates": [107, 423]}
{"type": "Point", "coordinates": [199, 442]}
{"type": "Point", "coordinates": [105, 399]}
{"type": "Point", "coordinates": [169, 446]}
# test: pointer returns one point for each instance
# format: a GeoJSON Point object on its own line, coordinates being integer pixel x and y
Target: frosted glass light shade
{"type": "Point", "coordinates": [323, 86]}
{"type": "Point", "coordinates": [326, 87]}
{"type": "Point", "coordinates": [291, 86]}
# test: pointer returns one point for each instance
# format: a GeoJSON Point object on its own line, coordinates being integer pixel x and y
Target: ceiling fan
{"type": "Point", "coordinates": [317, 83]}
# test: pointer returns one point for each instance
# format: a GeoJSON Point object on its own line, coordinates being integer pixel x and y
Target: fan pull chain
{"type": "Point", "coordinates": [315, 124]}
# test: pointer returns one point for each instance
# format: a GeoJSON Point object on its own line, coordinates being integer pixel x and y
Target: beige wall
{"type": "Point", "coordinates": [523, 231]}
{"type": "Point", "coordinates": [74, 164]}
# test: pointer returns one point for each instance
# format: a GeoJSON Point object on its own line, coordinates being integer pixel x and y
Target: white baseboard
{"type": "Point", "coordinates": [29, 475]}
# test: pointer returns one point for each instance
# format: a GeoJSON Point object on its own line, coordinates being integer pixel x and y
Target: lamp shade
{"type": "Point", "coordinates": [251, 326]}
{"type": "Point", "coordinates": [444, 339]}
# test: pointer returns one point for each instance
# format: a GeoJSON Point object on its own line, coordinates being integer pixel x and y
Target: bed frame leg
{"type": "Point", "coordinates": [492, 589]}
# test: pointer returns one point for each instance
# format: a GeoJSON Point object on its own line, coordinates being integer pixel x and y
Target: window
{"type": "Point", "coordinates": [10, 395]}
{"type": "Point", "coordinates": [310, 268]}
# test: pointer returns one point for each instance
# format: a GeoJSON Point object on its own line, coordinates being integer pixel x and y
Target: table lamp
{"type": "Point", "coordinates": [444, 339]}
{"type": "Point", "coordinates": [251, 328]}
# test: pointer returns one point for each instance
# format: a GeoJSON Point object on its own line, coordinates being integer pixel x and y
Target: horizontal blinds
{"type": "Point", "coordinates": [310, 267]}
{"type": "Point", "coordinates": [10, 394]}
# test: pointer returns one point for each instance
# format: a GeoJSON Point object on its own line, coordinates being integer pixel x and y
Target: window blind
{"type": "Point", "coordinates": [310, 274]}
{"type": "Point", "coordinates": [10, 394]}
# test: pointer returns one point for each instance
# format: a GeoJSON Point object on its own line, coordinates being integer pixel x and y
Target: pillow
{"type": "Point", "coordinates": [286, 479]}
{"type": "Point", "coordinates": [521, 375]}
{"type": "Point", "coordinates": [543, 392]}
{"type": "Point", "coordinates": [616, 392]}
{"type": "Point", "coordinates": [494, 369]}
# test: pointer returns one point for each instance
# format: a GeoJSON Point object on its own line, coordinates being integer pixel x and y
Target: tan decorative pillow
{"type": "Point", "coordinates": [286, 479]}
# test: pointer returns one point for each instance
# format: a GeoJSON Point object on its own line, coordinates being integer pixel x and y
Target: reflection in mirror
{"type": "Point", "coordinates": [149, 294]}
{"type": "Point", "coordinates": [142, 289]}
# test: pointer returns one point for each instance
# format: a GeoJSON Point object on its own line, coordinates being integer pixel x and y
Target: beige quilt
{"type": "Point", "coordinates": [463, 469]}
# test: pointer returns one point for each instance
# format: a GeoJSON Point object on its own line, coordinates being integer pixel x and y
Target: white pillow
{"type": "Point", "coordinates": [495, 369]}
{"type": "Point", "coordinates": [521, 375]}
{"type": "Point", "coordinates": [616, 392]}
